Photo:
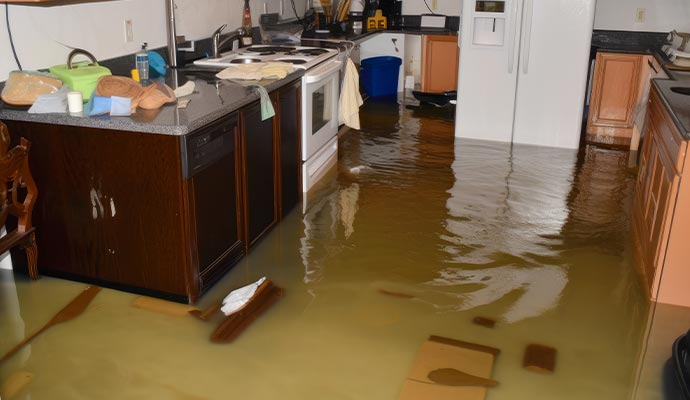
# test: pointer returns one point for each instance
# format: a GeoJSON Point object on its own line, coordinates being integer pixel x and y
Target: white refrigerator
{"type": "Point", "coordinates": [523, 70]}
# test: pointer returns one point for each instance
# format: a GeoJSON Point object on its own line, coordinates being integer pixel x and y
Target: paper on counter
{"type": "Point", "coordinates": [51, 103]}
{"type": "Point", "coordinates": [185, 90]}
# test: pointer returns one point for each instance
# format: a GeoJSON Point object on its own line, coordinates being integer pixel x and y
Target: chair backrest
{"type": "Point", "coordinates": [18, 190]}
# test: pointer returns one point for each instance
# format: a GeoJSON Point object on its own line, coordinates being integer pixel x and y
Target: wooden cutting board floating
{"type": "Point", "coordinates": [71, 311]}
{"type": "Point", "coordinates": [449, 369]}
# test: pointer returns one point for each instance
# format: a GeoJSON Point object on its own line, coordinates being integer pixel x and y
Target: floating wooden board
{"type": "Point", "coordinates": [486, 322]}
{"type": "Point", "coordinates": [163, 306]}
{"type": "Point", "coordinates": [449, 369]}
{"type": "Point", "coordinates": [540, 358]}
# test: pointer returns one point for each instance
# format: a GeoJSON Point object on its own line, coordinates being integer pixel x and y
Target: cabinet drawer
{"type": "Point", "coordinates": [669, 137]}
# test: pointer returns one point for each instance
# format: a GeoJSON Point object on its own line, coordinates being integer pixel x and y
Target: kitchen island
{"type": "Point", "coordinates": [166, 201]}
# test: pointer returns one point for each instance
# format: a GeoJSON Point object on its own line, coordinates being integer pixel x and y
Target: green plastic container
{"type": "Point", "coordinates": [81, 76]}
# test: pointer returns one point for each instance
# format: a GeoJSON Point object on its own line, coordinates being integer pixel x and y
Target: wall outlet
{"type": "Point", "coordinates": [640, 14]}
{"type": "Point", "coordinates": [129, 32]}
{"type": "Point", "coordinates": [433, 5]}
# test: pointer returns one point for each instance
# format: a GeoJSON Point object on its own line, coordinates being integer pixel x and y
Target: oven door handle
{"type": "Point", "coordinates": [320, 75]}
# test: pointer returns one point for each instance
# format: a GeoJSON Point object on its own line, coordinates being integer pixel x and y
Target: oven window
{"type": "Point", "coordinates": [322, 108]}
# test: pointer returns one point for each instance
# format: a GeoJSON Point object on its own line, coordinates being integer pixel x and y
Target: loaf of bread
{"type": "Point", "coordinates": [22, 88]}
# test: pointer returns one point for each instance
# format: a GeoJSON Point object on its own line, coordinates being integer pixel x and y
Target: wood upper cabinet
{"type": "Point", "coordinates": [439, 63]}
{"type": "Point", "coordinates": [660, 228]}
{"type": "Point", "coordinates": [617, 87]}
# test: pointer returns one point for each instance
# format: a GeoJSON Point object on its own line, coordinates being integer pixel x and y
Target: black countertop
{"type": "Point", "coordinates": [211, 100]}
{"type": "Point", "coordinates": [677, 104]}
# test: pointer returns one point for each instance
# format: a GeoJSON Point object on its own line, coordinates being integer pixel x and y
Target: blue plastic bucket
{"type": "Point", "coordinates": [379, 75]}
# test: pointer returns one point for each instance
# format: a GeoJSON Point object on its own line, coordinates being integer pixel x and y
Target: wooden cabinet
{"type": "Point", "coordinates": [617, 87]}
{"type": "Point", "coordinates": [288, 100]}
{"type": "Point", "coordinates": [145, 213]}
{"type": "Point", "coordinates": [439, 63]}
{"type": "Point", "coordinates": [660, 221]}
{"type": "Point", "coordinates": [259, 159]}
{"type": "Point", "coordinates": [112, 208]}
{"type": "Point", "coordinates": [211, 162]}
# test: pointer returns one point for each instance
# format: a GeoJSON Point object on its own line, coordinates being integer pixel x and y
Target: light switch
{"type": "Point", "coordinates": [640, 14]}
{"type": "Point", "coordinates": [129, 32]}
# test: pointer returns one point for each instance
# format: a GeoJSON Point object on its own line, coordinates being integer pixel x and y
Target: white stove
{"type": "Point", "coordinates": [300, 56]}
{"type": "Point", "coordinates": [319, 99]}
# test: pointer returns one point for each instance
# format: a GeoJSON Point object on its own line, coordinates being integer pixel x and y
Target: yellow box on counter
{"type": "Point", "coordinates": [378, 21]}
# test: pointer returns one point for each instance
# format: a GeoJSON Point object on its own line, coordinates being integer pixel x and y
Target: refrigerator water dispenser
{"type": "Point", "coordinates": [488, 23]}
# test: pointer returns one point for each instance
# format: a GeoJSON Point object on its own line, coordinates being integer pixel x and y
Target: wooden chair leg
{"type": "Point", "coordinates": [31, 250]}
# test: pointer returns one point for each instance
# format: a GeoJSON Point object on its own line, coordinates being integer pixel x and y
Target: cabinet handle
{"type": "Point", "coordinates": [651, 65]}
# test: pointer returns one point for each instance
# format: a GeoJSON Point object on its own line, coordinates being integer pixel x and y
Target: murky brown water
{"type": "Point", "coordinates": [534, 238]}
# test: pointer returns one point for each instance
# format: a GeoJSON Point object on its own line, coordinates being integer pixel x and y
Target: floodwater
{"type": "Point", "coordinates": [413, 235]}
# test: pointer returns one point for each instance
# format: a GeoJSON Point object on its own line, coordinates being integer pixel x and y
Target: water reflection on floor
{"type": "Point", "coordinates": [414, 235]}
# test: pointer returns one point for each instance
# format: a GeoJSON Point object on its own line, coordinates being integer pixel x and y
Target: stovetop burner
{"type": "Point", "coordinates": [269, 49]}
{"type": "Point", "coordinates": [300, 57]}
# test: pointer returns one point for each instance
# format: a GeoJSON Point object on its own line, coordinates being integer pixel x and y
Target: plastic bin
{"type": "Point", "coordinates": [379, 75]}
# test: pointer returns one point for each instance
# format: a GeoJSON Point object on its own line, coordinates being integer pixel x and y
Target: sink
{"type": "Point", "coordinates": [681, 90]}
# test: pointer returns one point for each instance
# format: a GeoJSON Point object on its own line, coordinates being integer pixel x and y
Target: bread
{"type": "Point", "coordinates": [22, 88]}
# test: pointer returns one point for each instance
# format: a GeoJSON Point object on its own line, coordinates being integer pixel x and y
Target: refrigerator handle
{"type": "Point", "coordinates": [511, 41]}
{"type": "Point", "coordinates": [527, 26]}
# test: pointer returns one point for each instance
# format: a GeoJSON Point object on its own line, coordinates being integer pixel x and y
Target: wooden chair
{"type": "Point", "coordinates": [18, 193]}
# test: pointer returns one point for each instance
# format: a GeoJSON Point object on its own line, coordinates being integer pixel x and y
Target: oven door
{"type": "Point", "coordinates": [320, 94]}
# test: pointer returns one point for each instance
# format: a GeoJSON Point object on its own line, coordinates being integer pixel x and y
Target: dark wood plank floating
{"type": "Point", "coordinates": [72, 310]}
{"type": "Point", "coordinates": [467, 345]}
{"type": "Point", "coordinates": [486, 322]}
{"type": "Point", "coordinates": [539, 358]}
{"type": "Point", "coordinates": [453, 377]}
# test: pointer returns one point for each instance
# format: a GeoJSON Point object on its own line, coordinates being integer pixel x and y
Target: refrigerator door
{"type": "Point", "coordinates": [487, 79]}
{"type": "Point", "coordinates": [553, 66]}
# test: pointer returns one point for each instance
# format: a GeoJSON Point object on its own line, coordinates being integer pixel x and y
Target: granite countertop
{"type": "Point", "coordinates": [211, 100]}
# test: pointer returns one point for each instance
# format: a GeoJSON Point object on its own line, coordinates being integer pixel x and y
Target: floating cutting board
{"type": "Point", "coordinates": [439, 353]}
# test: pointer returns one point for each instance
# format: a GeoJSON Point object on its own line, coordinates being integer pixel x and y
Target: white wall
{"type": "Point", "coordinates": [445, 7]}
{"type": "Point", "coordinates": [661, 15]}
{"type": "Point", "coordinates": [99, 27]}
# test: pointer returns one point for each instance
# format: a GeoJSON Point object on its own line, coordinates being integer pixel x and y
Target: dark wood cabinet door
{"type": "Point", "coordinates": [215, 199]}
{"type": "Point", "coordinates": [258, 143]}
{"type": "Point", "coordinates": [289, 171]}
{"type": "Point", "coordinates": [110, 207]}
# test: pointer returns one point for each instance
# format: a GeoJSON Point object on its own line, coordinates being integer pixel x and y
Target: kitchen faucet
{"type": "Point", "coordinates": [217, 43]}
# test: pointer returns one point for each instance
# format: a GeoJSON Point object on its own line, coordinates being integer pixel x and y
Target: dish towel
{"type": "Point", "coordinates": [257, 71]}
{"type": "Point", "coordinates": [267, 110]}
{"type": "Point", "coordinates": [238, 298]}
{"type": "Point", "coordinates": [350, 99]}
